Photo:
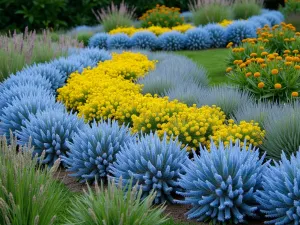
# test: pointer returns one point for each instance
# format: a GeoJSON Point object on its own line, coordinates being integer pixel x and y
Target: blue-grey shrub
{"type": "Point", "coordinates": [228, 98]}
{"type": "Point", "coordinates": [153, 164]}
{"type": "Point", "coordinates": [50, 131]}
{"type": "Point", "coordinates": [261, 20]}
{"type": "Point", "coordinates": [196, 39]}
{"type": "Point", "coordinates": [221, 184]}
{"type": "Point", "coordinates": [95, 54]}
{"type": "Point", "coordinates": [99, 40]}
{"type": "Point", "coordinates": [172, 41]}
{"type": "Point", "coordinates": [15, 114]}
{"type": "Point", "coordinates": [67, 66]}
{"type": "Point", "coordinates": [144, 40]}
{"type": "Point", "coordinates": [21, 91]}
{"type": "Point", "coordinates": [239, 30]}
{"type": "Point", "coordinates": [279, 199]}
{"type": "Point", "coordinates": [94, 149]}
{"type": "Point", "coordinates": [119, 41]}
{"type": "Point", "coordinates": [273, 18]}
{"type": "Point", "coordinates": [217, 35]}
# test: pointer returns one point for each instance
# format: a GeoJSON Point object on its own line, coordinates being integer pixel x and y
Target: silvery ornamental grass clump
{"type": "Point", "coordinates": [99, 40]}
{"type": "Point", "coordinates": [197, 39]}
{"type": "Point", "coordinates": [239, 30]}
{"type": "Point", "coordinates": [172, 41]}
{"type": "Point", "coordinates": [94, 149]}
{"type": "Point", "coordinates": [67, 66]}
{"type": "Point", "coordinates": [18, 50]}
{"type": "Point", "coordinates": [153, 164]}
{"type": "Point", "coordinates": [222, 183]}
{"type": "Point", "coordinates": [282, 132]}
{"type": "Point", "coordinates": [115, 204]}
{"type": "Point", "coordinates": [15, 114]}
{"type": "Point", "coordinates": [280, 198]}
{"type": "Point", "coordinates": [119, 41]}
{"type": "Point", "coordinates": [50, 131]}
{"type": "Point", "coordinates": [144, 40]}
{"type": "Point", "coordinates": [19, 92]}
{"type": "Point", "coordinates": [95, 54]}
{"type": "Point", "coordinates": [217, 35]}
{"type": "Point", "coordinates": [228, 98]}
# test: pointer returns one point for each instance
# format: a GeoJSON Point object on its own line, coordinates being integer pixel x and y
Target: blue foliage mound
{"type": "Point", "coordinates": [67, 66]}
{"type": "Point", "coordinates": [217, 35]}
{"type": "Point", "coordinates": [50, 131]}
{"type": "Point", "coordinates": [280, 197]}
{"type": "Point", "coordinates": [221, 183]}
{"type": "Point", "coordinates": [239, 30]}
{"type": "Point", "coordinates": [119, 41]}
{"type": "Point", "coordinates": [153, 164]}
{"type": "Point", "coordinates": [99, 41]}
{"type": "Point", "coordinates": [24, 79]}
{"type": "Point", "coordinates": [95, 54]}
{"type": "Point", "coordinates": [197, 39]}
{"type": "Point", "coordinates": [13, 116]}
{"type": "Point", "coordinates": [261, 20]}
{"type": "Point", "coordinates": [18, 92]}
{"type": "Point", "coordinates": [273, 18]}
{"type": "Point", "coordinates": [172, 41]}
{"type": "Point", "coordinates": [144, 40]}
{"type": "Point", "coordinates": [94, 149]}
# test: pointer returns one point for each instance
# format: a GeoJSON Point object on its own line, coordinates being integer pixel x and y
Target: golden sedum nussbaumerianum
{"type": "Point", "coordinates": [109, 91]}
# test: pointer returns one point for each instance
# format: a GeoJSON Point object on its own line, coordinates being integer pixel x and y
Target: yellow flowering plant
{"type": "Point", "coordinates": [162, 16]}
{"type": "Point", "coordinates": [225, 23]}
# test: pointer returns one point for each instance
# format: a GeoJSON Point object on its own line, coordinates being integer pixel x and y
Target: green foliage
{"type": "Point", "coordinates": [212, 13]}
{"type": "Point", "coordinates": [84, 37]}
{"type": "Point", "coordinates": [29, 194]}
{"type": "Point", "coordinates": [162, 16]}
{"type": "Point", "coordinates": [115, 205]}
{"type": "Point", "coordinates": [243, 9]}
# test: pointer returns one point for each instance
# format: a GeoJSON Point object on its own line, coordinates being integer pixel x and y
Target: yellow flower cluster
{"type": "Point", "coordinates": [157, 30]}
{"type": "Point", "coordinates": [159, 9]}
{"type": "Point", "coordinates": [225, 23]}
{"type": "Point", "coordinates": [108, 91]}
{"type": "Point", "coordinates": [248, 131]}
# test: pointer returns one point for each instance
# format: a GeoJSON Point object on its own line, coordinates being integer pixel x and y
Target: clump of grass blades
{"type": "Point", "coordinates": [115, 16]}
{"type": "Point", "coordinates": [115, 205]}
{"type": "Point", "coordinates": [29, 194]}
{"type": "Point", "coordinates": [18, 50]}
{"type": "Point", "coordinates": [210, 11]}
{"type": "Point", "coordinates": [243, 9]}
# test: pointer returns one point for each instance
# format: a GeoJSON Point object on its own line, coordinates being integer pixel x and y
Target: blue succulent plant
{"type": "Point", "coordinates": [197, 39]}
{"type": "Point", "coordinates": [47, 71]}
{"type": "Point", "coordinates": [152, 163]}
{"type": "Point", "coordinates": [15, 114]}
{"type": "Point", "coordinates": [99, 40]}
{"type": "Point", "coordinates": [50, 131]}
{"type": "Point", "coordinates": [221, 183]}
{"type": "Point", "coordinates": [239, 30]}
{"type": "Point", "coordinates": [21, 91]}
{"type": "Point", "coordinates": [172, 41]}
{"type": "Point", "coordinates": [280, 198]}
{"type": "Point", "coordinates": [119, 41]}
{"type": "Point", "coordinates": [217, 35]}
{"type": "Point", "coordinates": [24, 79]}
{"type": "Point", "coordinates": [144, 40]}
{"type": "Point", "coordinates": [94, 149]}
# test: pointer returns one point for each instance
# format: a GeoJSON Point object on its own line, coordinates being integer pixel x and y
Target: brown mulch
{"type": "Point", "coordinates": [175, 211]}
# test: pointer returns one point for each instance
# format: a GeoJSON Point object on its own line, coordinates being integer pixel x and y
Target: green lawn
{"type": "Point", "coordinates": [213, 60]}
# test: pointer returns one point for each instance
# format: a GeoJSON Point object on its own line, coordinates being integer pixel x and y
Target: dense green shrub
{"type": "Point", "coordinates": [115, 205]}
{"type": "Point", "coordinates": [84, 37]}
{"type": "Point", "coordinates": [29, 194]}
{"type": "Point", "coordinates": [243, 9]}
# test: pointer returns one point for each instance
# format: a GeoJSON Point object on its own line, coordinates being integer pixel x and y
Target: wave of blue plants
{"type": "Point", "coordinates": [209, 36]}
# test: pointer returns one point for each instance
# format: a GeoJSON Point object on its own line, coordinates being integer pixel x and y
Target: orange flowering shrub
{"type": "Point", "coordinates": [162, 16]}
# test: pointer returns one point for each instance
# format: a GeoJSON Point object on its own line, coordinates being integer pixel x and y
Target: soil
{"type": "Point", "coordinates": [176, 211]}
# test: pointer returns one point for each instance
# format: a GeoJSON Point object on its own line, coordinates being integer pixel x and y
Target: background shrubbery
{"type": "Point", "coordinates": [17, 14]}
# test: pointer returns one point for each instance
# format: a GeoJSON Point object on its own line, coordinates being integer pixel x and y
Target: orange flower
{"type": "Point", "coordinates": [274, 71]}
{"type": "Point", "coordinates": [295, 94]}
{"type": "Point", "coordinates": [228, 69]}
{"type": "Point", "coordinates": [261, 85]}
{"type": "Point", "coordinates": [248, 74]}
{"type": "Point", "coordinates": [277, 86]}
{"type": "Point", "coordinates": [297, 67]}
{"type": "Point", "coordinates": [257, 74]}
